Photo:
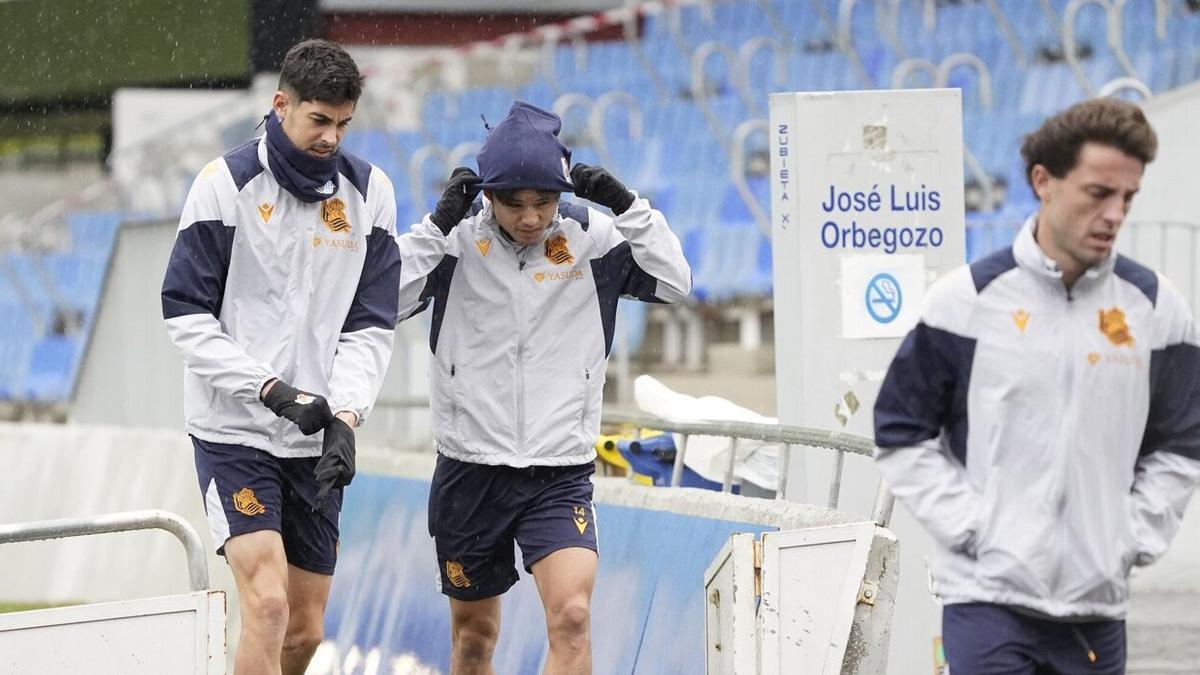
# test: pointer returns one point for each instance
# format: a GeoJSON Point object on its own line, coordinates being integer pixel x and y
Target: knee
{"type": "Point", "coordinates": [267, 608]}
{"type": "Point", "coordinates": [475, 638]}
{"type": "Point", "coordinates": [303, 638]}
{"type": "Point", "coordinates": [569, 620]}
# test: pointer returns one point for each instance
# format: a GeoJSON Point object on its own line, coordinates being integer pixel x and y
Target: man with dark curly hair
{"type": "Point", "coordinates": [1042, 420]}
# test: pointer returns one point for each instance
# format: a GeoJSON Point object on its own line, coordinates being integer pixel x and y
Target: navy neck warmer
{"type": "Point", "coordinates": [308, 178]}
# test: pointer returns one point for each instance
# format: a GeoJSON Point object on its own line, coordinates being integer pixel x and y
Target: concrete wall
{"type": "Point", "coordinates": [648, 609]}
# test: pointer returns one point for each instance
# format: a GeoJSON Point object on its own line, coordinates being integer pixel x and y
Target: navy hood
{"type": "Point", "coordinates": [523, 152]}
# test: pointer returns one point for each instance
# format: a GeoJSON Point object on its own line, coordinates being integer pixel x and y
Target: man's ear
{"type": "Point", "coordinates": [1039, 178]}
{"type": "Point", "coordinates": [280, 104]}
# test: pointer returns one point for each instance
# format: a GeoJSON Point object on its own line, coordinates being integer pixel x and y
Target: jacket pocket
{"type": "Point", "coordinates": [455, 407]}
{"type": "Point", "coordinates": [587, 398]}
{"type": "Point", "coordinates": [589, 411]}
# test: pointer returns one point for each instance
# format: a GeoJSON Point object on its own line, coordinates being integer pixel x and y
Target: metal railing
{"type": "Point", "coordinates": [150, 519]}
{"type": "Point", "coordinates": [940, 75]}
{"type": "Point", "coordinates": [1112, 14]}
{"type": "Point", "coordinates": [737, 172]}
{"type": "Point", "coordinates": [839, 442]}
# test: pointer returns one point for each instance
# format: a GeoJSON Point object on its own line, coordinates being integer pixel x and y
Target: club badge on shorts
{"type": "Point", "coordinates": [245, 502]}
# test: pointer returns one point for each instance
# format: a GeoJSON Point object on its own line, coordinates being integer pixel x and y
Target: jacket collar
{"type": "Point", "coordinates": [1030, 256]}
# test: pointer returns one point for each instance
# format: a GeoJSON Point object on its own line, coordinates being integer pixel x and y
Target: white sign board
{"type": "Point", "coordinates": [866, 210]}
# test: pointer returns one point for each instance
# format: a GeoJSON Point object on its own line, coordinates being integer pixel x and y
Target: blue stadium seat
{"type": "Point", "coordinates": [52, 367]}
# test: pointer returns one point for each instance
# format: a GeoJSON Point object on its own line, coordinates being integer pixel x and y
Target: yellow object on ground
{"type": "Point", "coordinates": [606, 449]}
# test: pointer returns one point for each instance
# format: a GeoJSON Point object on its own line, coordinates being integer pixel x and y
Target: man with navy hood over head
{"type": "Point", "coordinates": [524, 303]}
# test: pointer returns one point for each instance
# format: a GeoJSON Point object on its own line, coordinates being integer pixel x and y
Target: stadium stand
{"type": "Point", "coordinates": [677, 109]}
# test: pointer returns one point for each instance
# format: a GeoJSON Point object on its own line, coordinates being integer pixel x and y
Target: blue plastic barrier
{"type": "Point", "coordinates": [647, 610]}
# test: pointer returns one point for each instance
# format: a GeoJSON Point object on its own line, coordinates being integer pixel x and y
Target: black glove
{"type": "Point", "coordinates": [452, 207]}
{"type": "Point", "coordinates": [595, 184]}
{"type": "Point", "coordinates": [310, 412]}
{"type": "Point", "coordinates": [335, 469]}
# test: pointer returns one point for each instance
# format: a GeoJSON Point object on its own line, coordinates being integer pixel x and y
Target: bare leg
{"type": "Point", "coordinates": [260, 570]}
{"type": "Point", "coordinates": [475, 626]}
{"type": "Point", "coordinates": [565, 579]}
{"type": "Point", "coordinates": [307, 594]}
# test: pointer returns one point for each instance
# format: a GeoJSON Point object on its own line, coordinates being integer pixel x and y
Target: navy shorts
{"type": "Point", "coordinates": [247, 490]}
{"type": "Point", "coordinates": [981, 639]}
{"type": "Point", "coordinates": [477, 511]}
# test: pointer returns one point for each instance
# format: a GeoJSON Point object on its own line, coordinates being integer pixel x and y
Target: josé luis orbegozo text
{"type": "Point", "coordinates": [888, 238]}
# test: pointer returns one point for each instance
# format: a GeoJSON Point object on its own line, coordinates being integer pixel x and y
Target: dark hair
{"type": "Point", "coordinates": [508, 197]}
{"type": "Point", "coordinates": [319, 70]}
{"type": "Point", "coordinates": [1108, 121]}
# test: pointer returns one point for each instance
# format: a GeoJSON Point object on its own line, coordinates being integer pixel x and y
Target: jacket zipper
{"type": "Point", "coordinates": [587, 395]}
{"type": "Point", "coordinates": [1072, 347]}
{"type": "Point", "coordinates": [453, 398]}
{"type": "Point", "coordinates": [517, 299]}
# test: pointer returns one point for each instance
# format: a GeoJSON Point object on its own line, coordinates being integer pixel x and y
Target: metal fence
{"type": "Point", "coordinates": [790, 438]}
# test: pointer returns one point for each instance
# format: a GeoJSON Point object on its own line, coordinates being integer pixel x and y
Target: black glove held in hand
{"type": "Point", "coordinates": [335, 469]}
{"type": "Point", "coordinates": [452, 207]}
{"type": "Point", "coordinates": [595, 184]}
{"type": "Point", "coordinates": [310, 412]}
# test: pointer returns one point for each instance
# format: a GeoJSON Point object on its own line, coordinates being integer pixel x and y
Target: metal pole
{"type": "Point", "coordinates": [784, 465]}
{"type": "Point", "coordinates": [835, 487]}
{"type": "Point", "coordinates": [677, 469]}
{"type": "Point", "coordinates": [125, 521]}
{"type": "Point", "coordinates": [727, 486]}
{"type": "Point", "coordinates": [884, 501]}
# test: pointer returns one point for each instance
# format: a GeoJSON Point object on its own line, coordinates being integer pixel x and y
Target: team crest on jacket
{"type": "Point", "coordinates": [456, 575]}
{"type": "Point", "coordinates": [333, 212]}
{"type": "Point", "coordinates": [245, 502]}
{"type": "Point", "coordinates": [557, 251]}
{"type": "Point", "coordinates": [1114, 327]}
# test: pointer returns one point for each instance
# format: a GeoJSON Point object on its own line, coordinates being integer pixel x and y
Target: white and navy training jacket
{"type": "Point", "coordinates": [1047, 439]}
{"type": "Point", "coordinates": [262, 285]}
{"type": "Point", "coordinates": [521, 335]}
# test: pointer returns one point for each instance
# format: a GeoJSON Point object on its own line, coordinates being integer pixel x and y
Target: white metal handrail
{"type": "Point", "coordinates": [741, 69]}
{"type": "Point", "coordinates": [1113, 32]}
{"type": "Point", "coordinates": [837, 441]}
{"type": "Point", "coordinates": [564, 104]}
{"type": "Point", "coordinates": [1010, 34]}
{"type": "Point", "coordinates": [126, 521]}
{"type": "Point", "coordinates": [1125, 84]}
{"type": "Point", "coordinates": [845, 41]}
{"type": "Point", "coordinates": [633, 10]}
{"type": "Point", "coordinates": [699, 84]}
{"type": "Point", "coordinates": [941, 78]}
{"type": "Point", "coordinates": [908, 66]}
{"type": "Point", "coordinates": [596, 123]}
{"type": "Point", "coordinates": [737, 171]}
{"type": "Point", "coordinates": [887, 24]}
{"type": "Point", "coordinates": [964, 59]}
{"type": "Point", "coordinates": [549, 57]}
{"type": "Point", "coordinates": [416, 164]}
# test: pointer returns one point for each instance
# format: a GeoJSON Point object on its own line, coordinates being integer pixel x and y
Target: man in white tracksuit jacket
{"type": "Point", "coordinates": [282, 296]}
{"type": "Point", "coordinates": [524, 304]}
{"type": "Point", "coordinates": [1042, 421]}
